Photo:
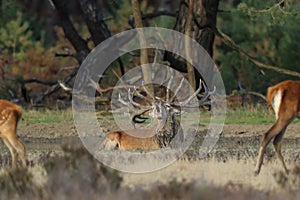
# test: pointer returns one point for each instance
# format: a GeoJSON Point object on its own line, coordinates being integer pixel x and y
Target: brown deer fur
{"type": "Point", "coordinates": [10, 114]}
{"type": "Point", "coordinates": [167, 132]}
{"type": "Point", "coordinates": [285, 100]}
{"type": "Point", "coordinates": [122, 140]}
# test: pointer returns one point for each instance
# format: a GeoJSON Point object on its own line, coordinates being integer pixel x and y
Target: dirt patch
{"type": "Point", "coordinates": [47, 130]}
{"type": "Point", "coordinates": [292, 130]}
{"type": "Point", "coordinates": [234, 136]}
{"type": "Point", "coordinates": [237, 141]}
{"type": "Point", "coordinates": [56, 130]}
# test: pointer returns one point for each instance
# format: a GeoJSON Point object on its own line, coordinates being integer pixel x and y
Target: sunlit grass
{"type": "Point", "coordinates": [243, 115]}
{"type": "Point", "coordinates": [47, 116]}
{"type": "Point", "coordinates": [250, 115]}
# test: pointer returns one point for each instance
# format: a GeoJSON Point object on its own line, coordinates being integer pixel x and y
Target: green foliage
{"type": "Point", "coordinates": [8, 11]}
{"type": "Point", "coordinates": [15, 37]}
{"type": "Point", "coordinates": [24, 53]}
{"type": "Point", "coordinates": [266, 31]}
{"type": "Point", "coordinates": [113, 7]}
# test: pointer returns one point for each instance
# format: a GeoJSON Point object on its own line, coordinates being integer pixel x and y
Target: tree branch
{"type": "Point", "coordinates": [55, 87]}
{"type": "Point", "coordinates": [266, 10]}
{"type": "Point", "coordinates": [230, 43]}
{"type": "Point", "coordinates": [78, 43]}
{"type": "Point", "coordinates": [35, 80]}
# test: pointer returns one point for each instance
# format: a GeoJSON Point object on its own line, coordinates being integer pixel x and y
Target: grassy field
{"type": "Point", "coordinates": [72, 173]}
{"type": "Point", "coordinates": [47, 116]}
{"type": "Point", "coordinates": [248, 115]}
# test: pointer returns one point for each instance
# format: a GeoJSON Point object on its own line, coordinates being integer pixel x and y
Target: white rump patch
{"type": "Point", "coordinates": [276, 103]}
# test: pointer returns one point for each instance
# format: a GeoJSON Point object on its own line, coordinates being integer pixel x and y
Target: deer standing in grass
{"type": "Point", "coordinates": [168, 132]}
{"type": "Point", "coordinates": [285, 100]}
{"type": "Point", "coordinates": [10, 114]}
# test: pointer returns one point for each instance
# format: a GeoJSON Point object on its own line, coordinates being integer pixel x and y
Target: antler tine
{"type": "Point", "coordinates": [139, 94]}
{"type": "Point", "coordinates": [203, 101]}
{"type": "Point", "coordinates": [177, 90]}
{"type": "Point", "coordinates": [122, 101]}
{"type": "Point", "coordinates": [130, 98]}
{"type": "Point", "coordinates": [147, 91]}
{"type": "Point", "coordinates": [191, 97]}
{"type": "Point", "coordinates": [130, 95]}
{"type": "Point", "coordinates": [168, 88]}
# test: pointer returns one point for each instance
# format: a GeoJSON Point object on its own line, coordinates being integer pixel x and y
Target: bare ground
{"type": "Point", "coordinates": [54, 130]}
{"type": "Point", "coordinates": [232, 160]}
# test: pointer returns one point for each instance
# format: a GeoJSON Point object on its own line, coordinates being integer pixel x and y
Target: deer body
{"type": "Point", "coordinates": [168, 131]}
{"type": "Point", "coordinates": [125, 141]}
{"type": "Point", "coordinates": [285, 100]}
{"type": "Point", "coordinates": [10, 114]}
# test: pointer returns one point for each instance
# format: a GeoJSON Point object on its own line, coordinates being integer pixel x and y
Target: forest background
{"type": "Point", "coordinates": [262, 49]}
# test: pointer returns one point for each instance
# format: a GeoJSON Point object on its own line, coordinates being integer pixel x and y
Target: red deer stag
{"type": "Point", "coordinates": [285, 100]}
{"type": "Point", "coordinates": [168, 132]}
{"type": "Point", "coordinates": [10, 114]}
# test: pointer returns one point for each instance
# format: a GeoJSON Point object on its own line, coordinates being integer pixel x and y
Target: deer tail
{"type": "Point", "coordinates": [270, 94]}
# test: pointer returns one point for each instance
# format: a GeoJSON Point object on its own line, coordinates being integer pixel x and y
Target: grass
{"type": "Point", "coordinates": [245, 115]}
{"type": "Point", "coordinates": [59, 177]}
{"type": "Point", "coordinates": [47, 116]}
{"type": "Point", "coordinates": [215, 173]}
{"type": "Point", "coordinates": [250, 115]}
{"type": "Point", "coordinates": [184, 179]}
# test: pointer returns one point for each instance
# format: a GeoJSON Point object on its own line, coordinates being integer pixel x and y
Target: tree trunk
{"type": "Point", "coordinates": [146, 70]}
{"type": "Point", "coordinates": [205, 17]}
{"type": "Point", "coordinates": [188, 26]}
{"type": "Point", "coordinates": [94, 20]}
{"type": "Point", "coordinates": [78, 43]}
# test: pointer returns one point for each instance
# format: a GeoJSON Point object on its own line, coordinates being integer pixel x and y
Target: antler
{"type": "Point", "coordinates": [137, 116]}
{"type": "Point", "coordinates": [168, 89]}
{"type": "Point", "coordinates": [203, 101]}
{"type": "Point", "coordinates": [147, 91]}
{"type": "Point", "coordinates": [177, 90]}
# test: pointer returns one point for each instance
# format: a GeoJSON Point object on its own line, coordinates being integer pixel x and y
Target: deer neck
{"type": "Point", "coordinates": [165, 132]}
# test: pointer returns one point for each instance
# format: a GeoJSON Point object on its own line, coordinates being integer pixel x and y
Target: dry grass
{"type": "Point", "coordinates": [212, 172]}
{"type": "Point", "coordinates": [77, 175]}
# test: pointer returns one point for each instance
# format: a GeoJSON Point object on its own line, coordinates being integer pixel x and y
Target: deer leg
{"type": "Point", "coordinates": [19, 149]}
{"type": "Point", "coordinates": [277, 129]}
{"type": "Point", "coordinates": [13, 152]}
{"type": "Point", "coordinates": [271, 133]}
{"type": "Point", "coordinates": [109, 144]}
{"type": "Point", "coordinates": [261, 153]}
{"type": "Point", "coordinates": [277, 144]}
{"type": "Point", "coordinates": [22, 152]}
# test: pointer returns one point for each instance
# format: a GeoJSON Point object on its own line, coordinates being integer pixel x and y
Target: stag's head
{"type": "Point", "coordinates": [163, 110]}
